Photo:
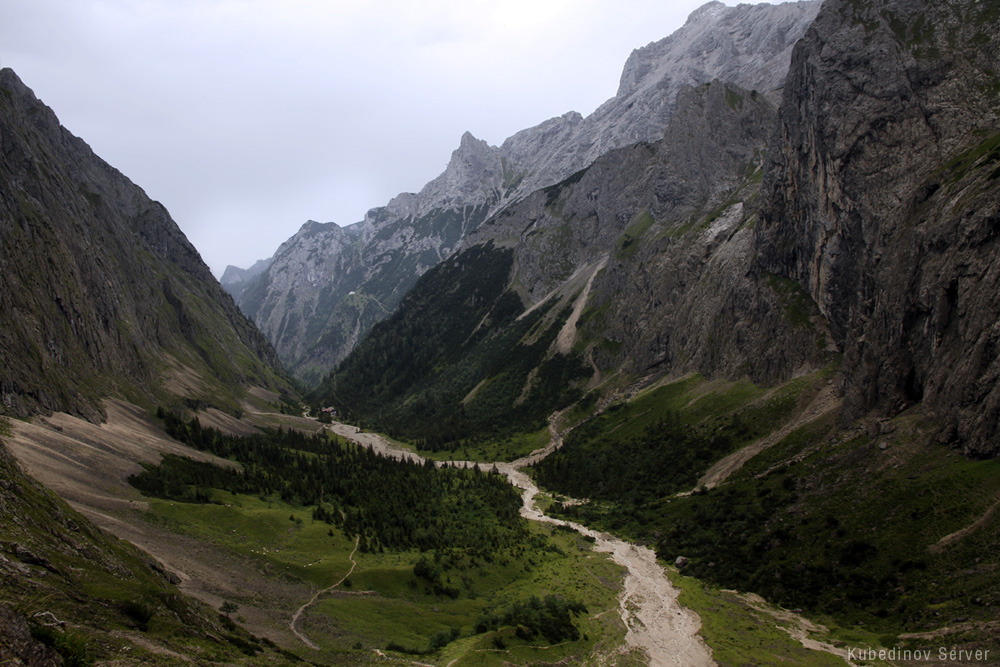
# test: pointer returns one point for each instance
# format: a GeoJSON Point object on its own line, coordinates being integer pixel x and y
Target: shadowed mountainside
{"type": "Point", "coordinates": [102, 294]}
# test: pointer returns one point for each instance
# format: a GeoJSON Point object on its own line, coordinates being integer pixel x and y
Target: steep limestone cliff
{"type": "Point", "coordinates": [881, 200]}
{"type": "Point", "coordinates": [102, 294]}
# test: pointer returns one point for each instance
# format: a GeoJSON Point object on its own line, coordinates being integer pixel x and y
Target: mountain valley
{"type": "Point", "coordinates": [706, 377]}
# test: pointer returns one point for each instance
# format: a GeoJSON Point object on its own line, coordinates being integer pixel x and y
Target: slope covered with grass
{"type": "Point", "coordinates": [73, 593]}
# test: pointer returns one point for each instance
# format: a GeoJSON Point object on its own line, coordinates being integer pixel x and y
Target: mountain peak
{"type": "Point", "coordinates": [470, 145]}
{"type": "Point", "coordinates": [9, 77]}
{"type": "Point", "coordinates": [469, 139]}
{"type": "Point", "coordinates": [749, 46]}
{"type": "Point", "coordinates": [312, 225]}
{"type": "Point", "coordinates": [708, 11]}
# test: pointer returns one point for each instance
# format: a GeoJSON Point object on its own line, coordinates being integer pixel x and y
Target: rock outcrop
{"type": "Point", "coordinates": [881, 201]}
{"type": "Point", "coordinates": [102, 294]}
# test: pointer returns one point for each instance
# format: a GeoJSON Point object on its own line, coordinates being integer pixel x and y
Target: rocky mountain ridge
{"type": "Point", "coordinates": [638, 266]}
{"type": "Point", "coordinates": [314, 324]}
{"type": "Point", "coordinates": [234, 278]}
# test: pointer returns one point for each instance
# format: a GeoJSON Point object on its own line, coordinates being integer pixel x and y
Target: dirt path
{"type": "Point", "coordinates": [656, 623]}
{"type": "Point", "coordinates": [298, 612]}
{"type": "Point", "coordinates": [947, 540]}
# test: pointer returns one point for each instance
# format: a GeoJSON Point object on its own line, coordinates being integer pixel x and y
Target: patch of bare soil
{"type": "Point", "coordinates": [567, 335]}
{"type": "Point", "coordinates": [264, 394]}
{"type": "Point", "coordinates": [139, 640]}
{"type": "Point", "coordinates": [88, 465]}
{"type": "Point", "coordinates": [991, 627]}
{"type": "Point", "coordinates": [797, 627]}
{"type": "Point", "coordinates": [221, 421]}
{"type": "Point", "coordinates": [276, 420]}
{"type": "Point", "coordinates": [939, 546]}
{"type": "Point", "coordinates": [182, 380]}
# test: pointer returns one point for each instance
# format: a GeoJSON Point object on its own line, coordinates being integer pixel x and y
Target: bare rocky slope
{"type": "Point", "coordinates": [76, 595]}
{"type": "Point", "coordinates": [102, 295]}
{"type": "Point", "coordinates": [325, 289]}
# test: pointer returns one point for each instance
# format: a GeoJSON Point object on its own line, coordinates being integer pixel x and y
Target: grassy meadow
{"type": "Point", "coordinates": [383, 605]}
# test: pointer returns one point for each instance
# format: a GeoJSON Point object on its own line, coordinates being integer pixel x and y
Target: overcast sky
{"type": "Point", "coordinates": [246, 118]}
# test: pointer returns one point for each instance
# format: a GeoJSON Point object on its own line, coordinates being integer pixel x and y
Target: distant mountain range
{"type": "Point", "coordinates": [326, 286]}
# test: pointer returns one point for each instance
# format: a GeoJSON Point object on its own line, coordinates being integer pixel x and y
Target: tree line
{"type": "Point", "coordinates": [389, 503]}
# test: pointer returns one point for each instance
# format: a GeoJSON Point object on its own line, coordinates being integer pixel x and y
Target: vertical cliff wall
{"type": "Point", "coordinates": [881, 198]}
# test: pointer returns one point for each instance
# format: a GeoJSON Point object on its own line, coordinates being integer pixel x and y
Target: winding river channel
{"type": "Point", "coordinates": [656, 623]}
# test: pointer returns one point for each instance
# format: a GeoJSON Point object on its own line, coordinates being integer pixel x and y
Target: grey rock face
{"type": "Point", "coordinates": [294, 293]}
{"type": "Point", "coordinates": [670, 223]}
{"type": "Point", "coordinates": [101, 291]}
{"type": "Point", "coordinates": [234, 279]}
{"type": "Point", "coordinates": [749, 45]}
{"type": "Point", "coordinates": [327, 285]}
{"type": "Point", "coordinates": [880, 199]}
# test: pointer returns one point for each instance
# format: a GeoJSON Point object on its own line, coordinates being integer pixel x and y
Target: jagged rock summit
{"type": "Point", "coordinates": [234, 278]}
{"type": "Point", "coordinates": [748, 45]}
{"type": "Point", "coordinates": [314, 306]}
